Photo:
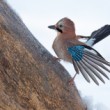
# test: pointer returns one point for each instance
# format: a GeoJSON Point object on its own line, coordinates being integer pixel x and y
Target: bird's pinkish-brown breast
{"type": "Point", "coordinates": [60, 48]}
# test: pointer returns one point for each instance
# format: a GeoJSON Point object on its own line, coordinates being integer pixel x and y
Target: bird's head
{"type": "Point", "coordinates": [65, 25]}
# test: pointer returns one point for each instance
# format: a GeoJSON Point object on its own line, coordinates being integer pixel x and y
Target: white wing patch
{"type": "Point", "coordinates": [90, 42]}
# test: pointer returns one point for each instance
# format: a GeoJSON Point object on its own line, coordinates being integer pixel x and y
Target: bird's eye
{"type": "Point", "coordinates": [60, 26]}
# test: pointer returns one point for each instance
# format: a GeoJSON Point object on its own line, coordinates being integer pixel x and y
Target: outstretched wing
{"type": "Point", "coordinates": [98, 35]}
{"type": "Point", "coordinates": [89, 63]}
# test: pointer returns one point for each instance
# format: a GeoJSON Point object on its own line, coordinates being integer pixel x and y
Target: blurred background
{"type": "Point", "coordinates": [88, 16]}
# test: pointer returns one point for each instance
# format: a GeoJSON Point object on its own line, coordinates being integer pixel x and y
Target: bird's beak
{"type": "Point", "coordinates": [52, 27]}
{"type": "Point", "coordinates": [55, 28]}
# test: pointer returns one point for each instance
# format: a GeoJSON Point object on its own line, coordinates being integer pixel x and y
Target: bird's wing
{"type": "Point", "coordinates": [88, 62]}
{"type": "Point", "coordinates": [98, 35]}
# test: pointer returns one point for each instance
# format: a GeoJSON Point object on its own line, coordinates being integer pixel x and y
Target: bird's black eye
{"type": "Point", "coordinates": [60, 26]}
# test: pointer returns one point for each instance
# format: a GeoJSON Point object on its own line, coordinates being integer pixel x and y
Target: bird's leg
{"type": "Point", "coordinates": [56, 59]}
{"type": "Point", "coordinates": [72, 79]}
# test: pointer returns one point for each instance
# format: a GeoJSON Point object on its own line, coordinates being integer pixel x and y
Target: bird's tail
{"type": "Point", "coordinates": [98, 35]}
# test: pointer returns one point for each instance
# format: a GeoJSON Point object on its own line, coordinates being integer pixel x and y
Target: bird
{"type": "Point", "coordinates": [85, 59]}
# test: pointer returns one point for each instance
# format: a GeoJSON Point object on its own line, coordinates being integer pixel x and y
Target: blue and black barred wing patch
{"type": "Point", "coordinates": [76, 52]}
{"type": "Point", "coordinates": [88, 63]}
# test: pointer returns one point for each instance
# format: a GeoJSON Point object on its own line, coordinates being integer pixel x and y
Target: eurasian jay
{"type": "Point", "coordinates": [85, 59]}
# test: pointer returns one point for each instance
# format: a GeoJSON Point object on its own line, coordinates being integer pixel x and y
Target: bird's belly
{"type": "Point", "coordinates": [66, 56]}
{"type": "Point", "coordinates": [62, 53]}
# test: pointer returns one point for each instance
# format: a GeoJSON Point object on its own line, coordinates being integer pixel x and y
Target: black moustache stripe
{"type": "Point", "coordinates": [59, 30]}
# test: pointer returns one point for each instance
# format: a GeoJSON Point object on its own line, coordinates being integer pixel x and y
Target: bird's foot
{"type": "Point", "coordinates": [56, 59]}
{"type": "Point", "coordinates": [72, 80]}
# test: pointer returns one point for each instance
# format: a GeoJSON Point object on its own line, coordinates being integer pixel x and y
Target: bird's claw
{"type": "Point", "coordinates": [56, 59]}
{"type": "Point", "coordinates": [71, 81]}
